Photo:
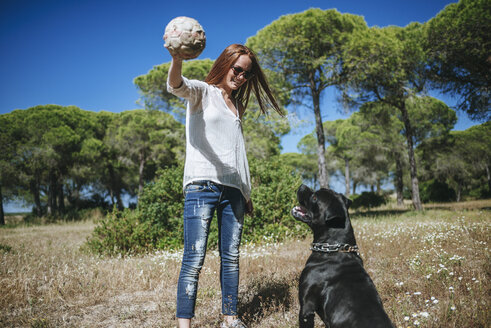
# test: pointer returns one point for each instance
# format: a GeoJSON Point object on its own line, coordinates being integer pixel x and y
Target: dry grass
{"type": "Point", "coordinates": [431, 269]}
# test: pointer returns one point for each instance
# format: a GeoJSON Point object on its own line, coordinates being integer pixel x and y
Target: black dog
{"type": "Point", "coordinates": [334, 283]}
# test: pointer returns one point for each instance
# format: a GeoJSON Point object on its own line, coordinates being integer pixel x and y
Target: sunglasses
{"type": "Point", "coordinates": [239, 70]}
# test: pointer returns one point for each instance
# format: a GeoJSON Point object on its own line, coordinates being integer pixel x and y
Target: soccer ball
{"type": "Point", "coordinates": [185, 37]}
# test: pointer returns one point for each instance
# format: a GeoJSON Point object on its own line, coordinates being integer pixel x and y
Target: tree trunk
{"type": "Point", "coordinates": [34, 187]}
{"type": "Point", "coordinates": [354, 187]}
{"type": "Point", "coordinates": [412, 160]}
{"type": "Point", "coordinates": [140, 172]}
{"type": "Point", "coordinates": [399, 175]}
{"type": "Point", "coordinates": [459, 191]}
{"type": "Point", "coordinates": [321, 141]}
{"type": "Point", "coordinates": [314, 181]}
{"type": "Point", "coordinates": [346, 177]}
{"type": "Point", "coordinates": [119, 200]}
{"type": "Point", "coordinates": [2, 214]}
{"type": "Point", "coordinates": [114, 188]}
{"type": "Point", "coordinates": [488, 174]}
{"type": "Point", "coordinates": [49, 208]}
{"type": "Point", "coordinates": [52, 194]}
{"type": "Point", "coordinates": [61, 197]}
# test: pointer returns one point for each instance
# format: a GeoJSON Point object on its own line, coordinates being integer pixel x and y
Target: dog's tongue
{"type": "Point", "coordinates": [299, 209]}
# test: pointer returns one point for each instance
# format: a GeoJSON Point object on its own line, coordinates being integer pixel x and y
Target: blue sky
{"type": "Point", "coordinates": [87, 52]}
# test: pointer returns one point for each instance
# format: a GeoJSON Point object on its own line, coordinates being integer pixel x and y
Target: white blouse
{"type": "Point", "coordinates": [215, 148]}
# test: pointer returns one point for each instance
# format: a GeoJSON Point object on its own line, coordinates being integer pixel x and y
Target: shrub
{"type": "Point", "coordinates": [157, 221]}
{"type": "Point", "coordinates": [481, 192]}
{"type": "Point", "coordinates": [368, 199]}
{"type": "Point", "coordinates": [274, 187]}
{"type": "Point", "coordinates": [436, 191]}
{"type": "Point", "coordinates": [120, 232]}
{"type": "Point", "coordinates": [161, 206]}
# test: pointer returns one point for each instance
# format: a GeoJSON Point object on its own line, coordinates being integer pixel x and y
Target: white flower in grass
{"type": "Point", "coordinates": [451, 289]}
{"type": "Point", "coordinates": [417, 293]}
{"type": "Point", "coordinates": [416, 322]}
{"type": "Point", "coordinates": [453, 308]}
{"type": "Point", "coordinates": [406, 318]}
{"type": "Point", "coordinates": [424, 314]}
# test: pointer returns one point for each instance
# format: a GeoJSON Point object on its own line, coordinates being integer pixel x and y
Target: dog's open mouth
{"type": "Point", "coordinates": [300, 213]}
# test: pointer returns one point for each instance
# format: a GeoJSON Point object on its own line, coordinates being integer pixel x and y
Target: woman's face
{"type": "Point", "coordinates": [236, 75]}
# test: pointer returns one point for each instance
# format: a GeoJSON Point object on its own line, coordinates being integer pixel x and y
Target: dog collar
{"type": "Point", "coordinates": [329, 248]}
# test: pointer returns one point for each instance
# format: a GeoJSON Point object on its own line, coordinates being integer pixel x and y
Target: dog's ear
{"type": "Point", "coordinates": [347, 201]}
{"type": "Point", "coordinates": [334, 210]}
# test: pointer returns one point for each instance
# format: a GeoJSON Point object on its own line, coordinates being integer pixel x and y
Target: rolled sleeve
{"type": "Point", "coordinates": [191, 90]}
{"type": "Point", "coordinates": [183, 91]}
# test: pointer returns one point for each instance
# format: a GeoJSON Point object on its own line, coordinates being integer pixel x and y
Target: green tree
{"type": "Point", "coordinates": [302, 164]}
{"type": "Point", "coordinates": [459, 46]}
{"type": "Point", "coordinates": [335, 149]}
{"type": "Point", "coordinates": [308, 149]}
{"type": "Point", "coordinates": [45, 155]}
{"type": "Point", "coordinates": [52, 138]}
{"type": "Point", "coordinates": [27, 160]}
{"type": "Point", "coordinates": [343, 138]}
{"type": "Point", "coordinates": [8, 177]}
{"type": "Point", "coordinates": [99, 164]}
{"type": "Point", "coordinates": [460, 160]}
{"type": "Point", "coordinates": [381, 120]}
{"type": "Point", "coordinates": [83, 173]}
{"type": "Point", "coordinates": [430, 118]}
{"type": "Point", "coordinates": [153, 86]}
{"type": "Point", "coordinates": [478, 150]}
{"type": "Point", "coordinates": [362, 149]}
{"type": "Point", "coordinates": [147, 140]}
{"type": "Point", "coordinates": [361, 153]}
{"type": "Point", "coordinates": [305, 49]}
{"type": "Point", "coordinates": [388, 65]}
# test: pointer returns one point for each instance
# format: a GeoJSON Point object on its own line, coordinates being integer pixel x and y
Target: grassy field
{"type": "Point", "coordinates": [432, 269]}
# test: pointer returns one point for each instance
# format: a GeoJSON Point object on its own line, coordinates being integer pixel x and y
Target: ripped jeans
{"type": "Point", "coordinates": [201, 200]}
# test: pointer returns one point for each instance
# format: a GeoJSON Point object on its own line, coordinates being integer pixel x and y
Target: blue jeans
{"type": "Point", "coordinates": [201, 200]}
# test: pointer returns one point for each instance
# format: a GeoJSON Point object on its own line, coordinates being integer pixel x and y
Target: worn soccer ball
{"type": "Point", "coordinates": [185, 37]}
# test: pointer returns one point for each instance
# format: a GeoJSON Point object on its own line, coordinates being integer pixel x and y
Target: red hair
{"type": "Point", "coordinates": [257, 83]}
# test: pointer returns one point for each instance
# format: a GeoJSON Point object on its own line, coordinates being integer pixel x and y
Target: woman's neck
{"type": "Point", "coordinates": [226, 92]}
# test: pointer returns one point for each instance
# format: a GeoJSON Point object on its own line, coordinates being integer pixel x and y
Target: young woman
{"type": "Point", "coordinates": [216, 171]}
